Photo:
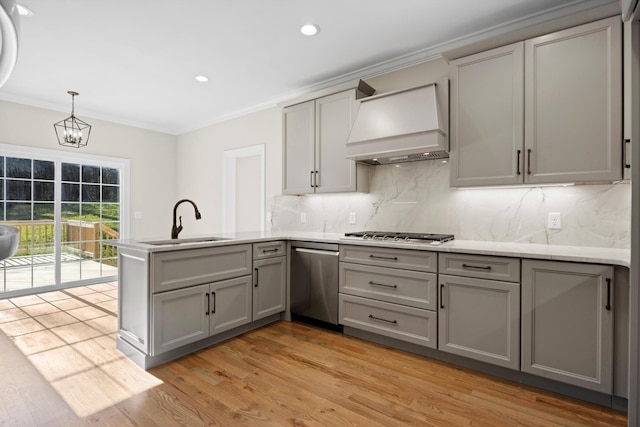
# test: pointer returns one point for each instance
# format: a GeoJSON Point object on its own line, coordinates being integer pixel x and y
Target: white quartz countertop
{"type": "Point", "coordinates": [612, 256]}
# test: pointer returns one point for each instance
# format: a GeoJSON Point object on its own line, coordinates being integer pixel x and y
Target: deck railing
{"type": "Point", "coordinates": [86, 239]}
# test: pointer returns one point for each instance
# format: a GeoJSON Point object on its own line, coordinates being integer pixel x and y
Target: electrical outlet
{"type": "Point", "coordinates": [352, 217]}
{"type": "Point", "coordinates": [303, 217]}
{"type": "Point", "coordinates": [555, 220]}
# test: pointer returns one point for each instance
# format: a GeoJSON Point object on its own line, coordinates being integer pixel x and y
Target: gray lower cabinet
{"type": "Point", "coordinates": [269, 287]}
{"type": "Point", "coordinates": [567, 323]}
{"type": "Point", "coordinates": [390, 292]}
{"type": "Point", "coordinates": [269, 279]}
{"type": "Point", "coordinates": [479, 318]}
{"type": "Point", "coordinates": [188, 315]}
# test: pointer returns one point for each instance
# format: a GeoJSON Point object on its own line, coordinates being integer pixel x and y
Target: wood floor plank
{"type": "Point", "coordinates": [284, 374]}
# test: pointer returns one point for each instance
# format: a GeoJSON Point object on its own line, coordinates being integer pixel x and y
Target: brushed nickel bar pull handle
{"type": "Point", "coordinates": [529, 161]}
{"type": "Point", "coordinates": [371, 282]}
{"type": "Point", "coordinates": [257, 271]}
{"type": "Point", "coordinates": [518, 160]}
{"type": "Point", "coordinates": [477, 267]}
{"type": "Point", "coordinates": [441, 296]}
{"type": "Point", "coordinates": [372, 317]}
{"type": "Point", "coordinates": [608, 306]}
{"type": "Point", "coordinates": [388, 258]}
{"type": "Point", "coordinates": [208, 304]}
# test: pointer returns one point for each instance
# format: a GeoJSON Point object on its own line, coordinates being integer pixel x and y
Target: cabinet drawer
{"type": "Point", "coordinates": [386, 257]}
{"type": "Point", "coordinates": [269, 249]}
{"type": "Point", "coordinates": [392, 320]}
{"type": "Point", "coordinates": [179, 269]}
{"type": "Point", "coordinates": [413, 288]}
{"type": "Point", "coordinates": [481, 266]}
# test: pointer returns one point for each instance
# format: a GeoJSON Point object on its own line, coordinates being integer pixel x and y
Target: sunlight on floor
{"type": "Point", "coordinates": [69, 336]}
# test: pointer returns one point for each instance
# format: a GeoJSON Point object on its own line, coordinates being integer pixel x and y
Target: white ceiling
{"type": "Point", "coordinates": [134, 61]}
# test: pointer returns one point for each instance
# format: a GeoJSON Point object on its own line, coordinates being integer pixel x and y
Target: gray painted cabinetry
{"type": "Point", "coordinates": [269, 276]}
{"type": "Point", "coordinates": [174, 302]}
{"type": "Point", "coordinates": [479, 310]}
{"type": "Point", "coordinates": [568, 88]}
{"type": "Point", "coordinates": [190, 314]}
{"type": "Point", "coordinates": [567, 323]}
{"type": "Point", "coordinates": [391, 292]}
{"type": "Point", "coordinates": [315, 136]}
{"type": "Point", "coordinates": [185, 313]}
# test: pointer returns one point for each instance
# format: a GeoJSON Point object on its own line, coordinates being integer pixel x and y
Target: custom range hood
{"type": "Point", "coordinates": [402, 126]}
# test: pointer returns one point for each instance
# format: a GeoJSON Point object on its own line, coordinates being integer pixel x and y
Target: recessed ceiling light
{"type": "Point", "coordinates": [24, 11]}
{"type": "Point", "coordinates": [202, 79]}
{"type": "Point", "coordinates": [309, 29]}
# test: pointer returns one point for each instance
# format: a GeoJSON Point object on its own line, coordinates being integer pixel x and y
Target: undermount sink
{"type": "Point", "coordinates": [9, 239]}
{"type": "Point", "coordinates": [181, 241]}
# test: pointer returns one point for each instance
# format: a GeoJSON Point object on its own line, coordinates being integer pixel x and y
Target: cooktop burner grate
{"type": "Point", "coordinates": [398, 236]}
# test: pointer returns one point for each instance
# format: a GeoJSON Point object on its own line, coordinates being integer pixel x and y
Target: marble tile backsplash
{"type": "Point", "coordinates": [417, 197]}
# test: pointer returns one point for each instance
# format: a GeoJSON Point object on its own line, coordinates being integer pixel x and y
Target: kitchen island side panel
{"type": "Point", "coordinates": [133, 297]}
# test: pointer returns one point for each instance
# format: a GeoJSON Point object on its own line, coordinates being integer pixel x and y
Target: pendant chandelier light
{"type": "Point", "coordinates": [72, 132]}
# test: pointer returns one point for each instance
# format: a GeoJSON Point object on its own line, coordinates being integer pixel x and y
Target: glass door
{"type": "Point", "coordinates": [66, 211]}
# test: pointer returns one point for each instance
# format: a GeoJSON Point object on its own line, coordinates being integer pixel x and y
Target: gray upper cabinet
{"type": "Point", "coordinates": [573, 115]}
{"type": "Point", "coordinates": [567, 323]}
{"type": "Point", "coordinates": [487, 114]}
{"type": "Point", "coordinates": [546, 110]}
{"type": "Point", "coordinates": [299, 148]}
{"type": "Point", "coordinates": [315, 136]}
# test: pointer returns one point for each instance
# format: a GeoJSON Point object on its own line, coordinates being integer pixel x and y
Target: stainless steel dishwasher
{"type": "Point", "coordinates": [314, 282]}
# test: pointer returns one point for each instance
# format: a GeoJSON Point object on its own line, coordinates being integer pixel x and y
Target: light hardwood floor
{"type": "Point", "coordinates": [60, 368]}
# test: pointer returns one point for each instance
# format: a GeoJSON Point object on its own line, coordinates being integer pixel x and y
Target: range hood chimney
{"type": "Point", "coordinates": [402, 126]}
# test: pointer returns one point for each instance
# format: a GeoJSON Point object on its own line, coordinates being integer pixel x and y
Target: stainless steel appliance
{"type": "Point", "coordinates": [314, 282]}
{"type": "Point", "coordinates": [394, 236]}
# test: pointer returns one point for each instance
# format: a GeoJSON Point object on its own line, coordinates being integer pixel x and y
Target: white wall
{"type": "Point", "coordinates": [151, 155]}
{"type": "Point", "coordinates": [416, 197]}
{"type": "Point", "coordinates": [200, 159]}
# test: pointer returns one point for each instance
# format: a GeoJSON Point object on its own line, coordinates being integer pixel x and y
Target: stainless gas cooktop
{"type": "Point", "coordinates": [394, 236]}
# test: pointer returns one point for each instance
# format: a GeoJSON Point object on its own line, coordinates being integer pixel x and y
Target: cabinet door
{"type": "Point", "coordinates": [480, 319]}
{"type": "Point", "coordinates": [269, 277]}
{"type": "Point", "coordinates": [334, 117]}
{"type": "Point", "coordinates": [179, 318]}
{"type": "Point", "coordinates": [487, 109]}
{"type": "Point", "coordinates": [573, 93]}
{"type": "Point", "coordinates": [229, 304]}
{"type": "Point", "coordinates": [299, 143]}
{"type": "Point", "coordinates": [567, 322]}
